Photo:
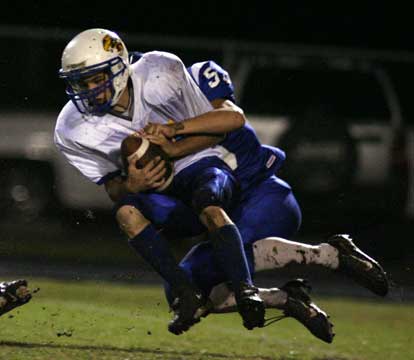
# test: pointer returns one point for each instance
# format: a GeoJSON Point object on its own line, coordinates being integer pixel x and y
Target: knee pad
{"type": "Point", "coordinates": [218, 189]}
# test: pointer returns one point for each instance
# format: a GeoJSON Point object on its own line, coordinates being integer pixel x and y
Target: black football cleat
{"type": "Point", "coordinates": [359, 266]}
{"type": "Point", "coordinates": [300, 307]}
{"type": "Point", "coordinates": [13, 294]}
{"type": "Point", "coordinates": [188, 308]}
{"type": "Point", "coordinates": [251, 307]}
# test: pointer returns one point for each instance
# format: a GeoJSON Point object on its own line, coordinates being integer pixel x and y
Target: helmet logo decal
{"type": "Point", "coordinates": [112, 44]}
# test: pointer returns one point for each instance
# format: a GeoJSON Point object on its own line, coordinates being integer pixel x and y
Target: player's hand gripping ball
{"type": "Point", "coordinates": [135, 146]}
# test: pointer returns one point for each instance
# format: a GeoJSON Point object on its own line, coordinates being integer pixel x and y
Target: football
{"type": "Point", "coordinates": [145, 151]}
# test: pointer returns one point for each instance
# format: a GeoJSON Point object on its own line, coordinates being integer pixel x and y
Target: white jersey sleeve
{"type": "Point", "coordinates": [92, 164]}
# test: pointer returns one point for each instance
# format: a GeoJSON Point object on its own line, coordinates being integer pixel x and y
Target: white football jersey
{"type": "Point", "coordinates": [163, 90]}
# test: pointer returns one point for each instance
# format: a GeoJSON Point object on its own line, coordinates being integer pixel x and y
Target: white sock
{"type": "Point", "coordinates": [273, 298]}
{"type": "Point", "coordinates": [274, 253]}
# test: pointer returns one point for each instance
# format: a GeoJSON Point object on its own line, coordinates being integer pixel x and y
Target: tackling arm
{"type": "Point", "coordinates": [216, 85]}
{"type": "Point", "coordinates": [193, 143]}
{"type": "Point", "coordinates": [220, 120]}
{"type": "Point", "coordinates": [224, 119]}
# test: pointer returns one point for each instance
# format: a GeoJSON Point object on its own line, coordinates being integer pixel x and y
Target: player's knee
{"type": "Point", "coordinates": [131, 221]}
{"type": "Point", "coordinates": [212, 196]}
{"type": "Point", "coordinates": [214, 217]}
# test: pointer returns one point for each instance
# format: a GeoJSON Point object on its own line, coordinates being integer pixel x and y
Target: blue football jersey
{"type": "Point", "coordinates": [213, 80]}
{"type": "Point", "coordinates": [134, 56]}
{"type": "Point", "coordinates": [253, 161]}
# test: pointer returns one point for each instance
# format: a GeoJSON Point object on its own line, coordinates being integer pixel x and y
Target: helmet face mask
{"type": "Point", "coordinates": [90, 100]}
{"type": "Point", "coordinates": [94, 52]}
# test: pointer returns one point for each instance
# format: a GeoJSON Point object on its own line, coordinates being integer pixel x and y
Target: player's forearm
{"type": "Point", "coordinates": [217, 121]}
{"type": "Point", "coordinates": [193, 144]}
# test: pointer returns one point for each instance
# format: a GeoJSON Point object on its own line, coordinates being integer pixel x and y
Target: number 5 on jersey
{"type": "Point", "coordinates": [214, 77]}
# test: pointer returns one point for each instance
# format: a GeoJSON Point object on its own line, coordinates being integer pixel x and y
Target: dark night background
{"type": "Point", "coordinates": [366, 26]}
{"type": "Point", "coordinates": [359, 26]}
{"type": "Point", "coordinates": [374, 25]}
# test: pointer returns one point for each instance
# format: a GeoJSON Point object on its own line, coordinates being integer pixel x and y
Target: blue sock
{"type": "Point", "coordinates": [155, 249]}
{"type": "Point", "coordinates": [229, 252]}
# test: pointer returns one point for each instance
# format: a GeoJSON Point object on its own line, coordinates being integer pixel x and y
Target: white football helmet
{"type": "Point", "coordinates": [88, 53]}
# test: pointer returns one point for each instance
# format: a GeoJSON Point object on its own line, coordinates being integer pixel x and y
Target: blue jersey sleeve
{"type": "Point", "coordinates": [213, 80]}
{"type": "Point", "coordinates": [134, 56]}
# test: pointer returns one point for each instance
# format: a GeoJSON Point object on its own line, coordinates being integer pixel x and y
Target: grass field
{"type": "Point", "coordinates": [103, 320]}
